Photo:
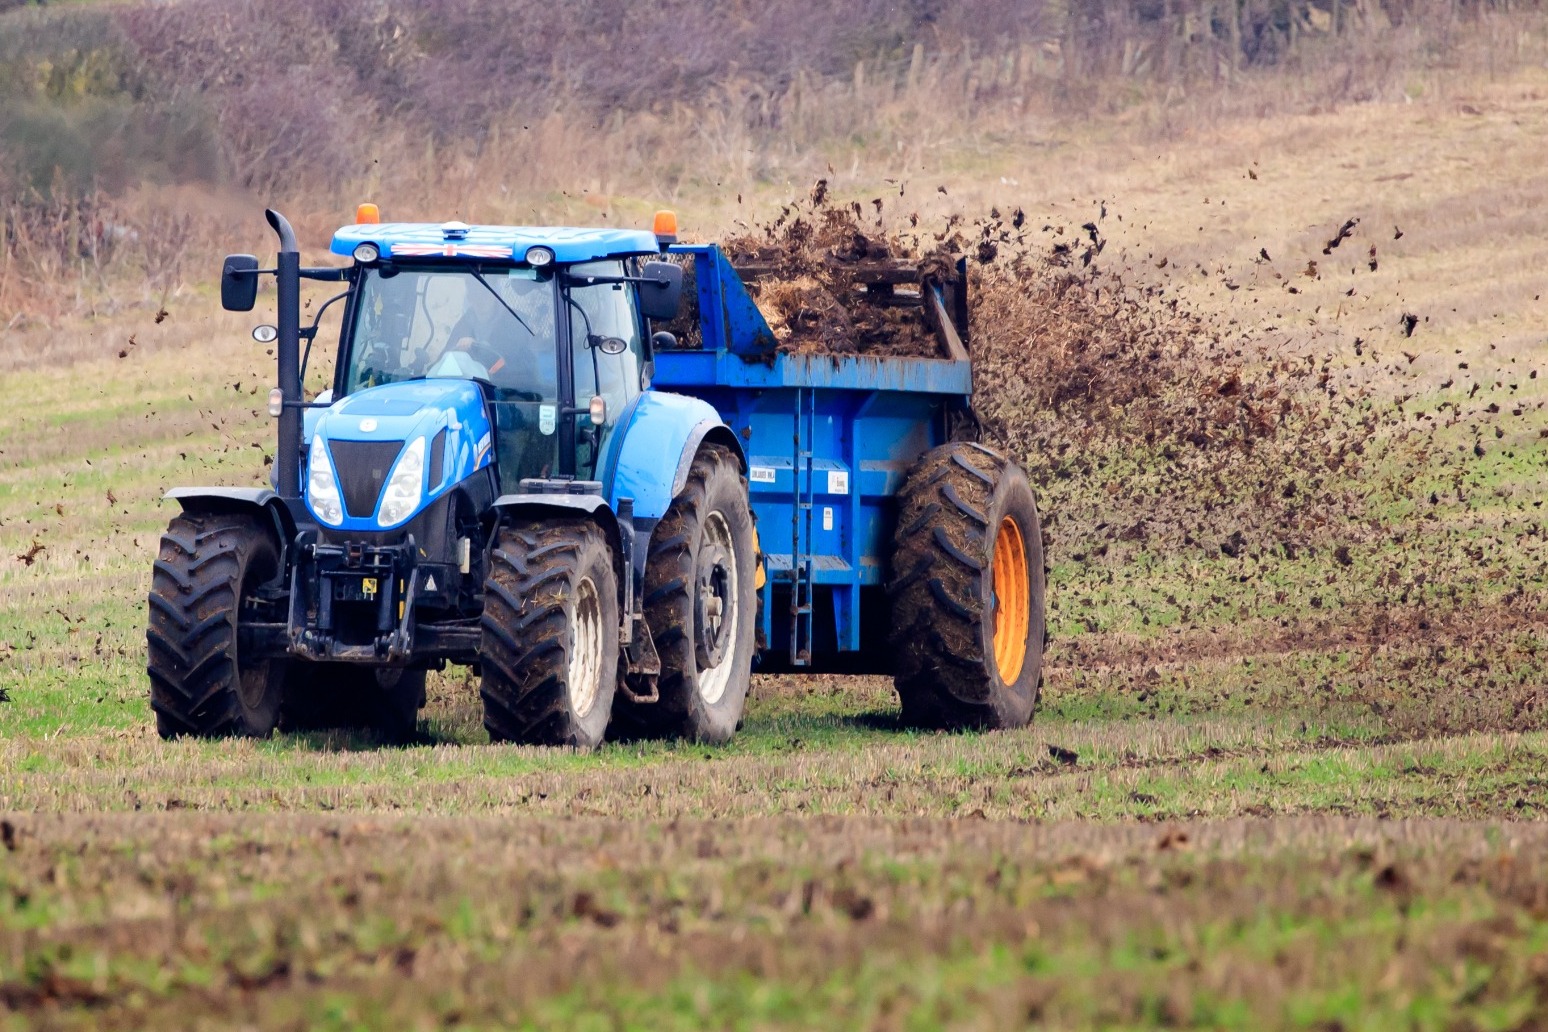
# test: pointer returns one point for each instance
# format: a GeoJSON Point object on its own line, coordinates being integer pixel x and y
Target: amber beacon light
{"type": "Point", "coordinates": [665, 227]}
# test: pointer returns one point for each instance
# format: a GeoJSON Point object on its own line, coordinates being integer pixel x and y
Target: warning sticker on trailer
{"type": "Point", "coordinates": [838, 481]}
{"type": "Point", "coordinates": [761, 474]}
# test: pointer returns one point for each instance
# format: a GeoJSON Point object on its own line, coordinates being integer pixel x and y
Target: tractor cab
{"type": "Point", "coordinates": [550, 323]}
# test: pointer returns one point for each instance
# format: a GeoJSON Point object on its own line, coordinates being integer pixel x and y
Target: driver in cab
{"type": "Point", "coordinates": [510, 347]}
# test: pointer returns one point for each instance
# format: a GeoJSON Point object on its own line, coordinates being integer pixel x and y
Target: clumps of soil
{"type": "Point", "coordinates": [818, 272]}
{"type": "Point", "coordinates": [1052, 332]}
{"type": "Point", "coordinates": [1197, 474]}
{"type": "Point", "coordinates": [1151, 425]}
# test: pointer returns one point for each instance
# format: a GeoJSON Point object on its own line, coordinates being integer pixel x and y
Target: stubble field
{"type": "Point", "coordinates": [1289, 768]}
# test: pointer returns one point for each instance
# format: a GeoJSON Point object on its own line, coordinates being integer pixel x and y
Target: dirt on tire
{"type": "Point", "coordinates": [532, 597]}
{"type": "Point", "coordinates": [952, 670]}
{"type": "Point", "coordinates": [199, 684]}
{"type": "Point", "coordinates": [675, 576]}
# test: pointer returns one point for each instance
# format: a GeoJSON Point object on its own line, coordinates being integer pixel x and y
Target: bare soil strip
{"type": "Point", "coordinates": [169, 920]}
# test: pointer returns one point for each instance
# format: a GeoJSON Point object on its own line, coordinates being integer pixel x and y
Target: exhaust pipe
{"type": "Point", "coordinates": [287, 348]}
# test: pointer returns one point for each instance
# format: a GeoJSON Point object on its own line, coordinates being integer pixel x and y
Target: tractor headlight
{"type": "Point", "coordinates": [539, 256]}
{"type": "Point", "coordinates": [366, 253]}
{"type": "Point", "coordinates": [405, 487]}
{"type": "Point", "coordinates": [322, 491]}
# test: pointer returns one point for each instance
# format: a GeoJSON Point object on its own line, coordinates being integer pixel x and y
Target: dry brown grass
{"type": "Point", "coordinates": [754, 107]}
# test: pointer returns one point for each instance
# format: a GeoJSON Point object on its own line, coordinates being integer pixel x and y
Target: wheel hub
{"type": "Point", "coordinates": [1012, 600]}
{"type": "Point", "coordinates": [712, 605]}
{"type": "Point", "coordinates": [585, 670]}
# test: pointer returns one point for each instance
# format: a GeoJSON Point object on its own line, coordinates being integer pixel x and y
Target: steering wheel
{"type": "Point", "coordinates": [376, 354]}
{"type": "Point", "coordinates": [485, 355]}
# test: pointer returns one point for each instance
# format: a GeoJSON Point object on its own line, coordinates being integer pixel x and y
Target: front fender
{"type": "Point", "coordinates": [260, 502]}
{"type": "Point", "coordinates": [657, 445]}
{"type": "Point", "coordinates": [257, 500]}
{"type": "Point", "coordinates": [538, 503]}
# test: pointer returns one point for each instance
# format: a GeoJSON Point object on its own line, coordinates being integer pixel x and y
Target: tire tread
{"type": "Point", "coordinates": [191, 635]}
{"type": "Point", "coordinates": [939, 563]}
{"type": "Point", "coordinates": [525, 652]}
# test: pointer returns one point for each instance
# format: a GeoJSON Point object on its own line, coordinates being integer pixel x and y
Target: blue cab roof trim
{"type": "Point", "coordinates": [429, 240]}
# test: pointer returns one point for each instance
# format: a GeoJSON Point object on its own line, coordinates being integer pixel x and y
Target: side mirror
{"type": "Point", "coordinates": [663, 296]}
{"type": "Point", "coordinates": [239, 283]}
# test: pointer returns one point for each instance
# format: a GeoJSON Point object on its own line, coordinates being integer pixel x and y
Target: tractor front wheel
{"type": "Point", "coordinates": [967, 592]}
{"type": "Point", "coordinates": [701, 606]}
{"type": "Point", "coordinates": [550, 634]}
{"type": "Point", "coordinates": [200, 683]}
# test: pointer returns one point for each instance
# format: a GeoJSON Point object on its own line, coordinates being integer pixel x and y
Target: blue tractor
{"type": "Point", "coordinates": [611, 526]}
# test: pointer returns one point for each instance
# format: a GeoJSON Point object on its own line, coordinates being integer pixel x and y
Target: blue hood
{"type": "Point", "coordinates": [367, 435]}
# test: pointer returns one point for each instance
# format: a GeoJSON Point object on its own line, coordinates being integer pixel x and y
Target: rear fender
{"type": "Point", "coordinates": [659, 441]}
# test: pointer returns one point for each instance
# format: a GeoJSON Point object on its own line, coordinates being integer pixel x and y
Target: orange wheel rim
{"type": "Point", "coordinates": [1012, 601]}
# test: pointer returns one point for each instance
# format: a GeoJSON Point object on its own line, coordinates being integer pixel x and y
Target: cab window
{"type": "Point", "coordinates": [606, 344]}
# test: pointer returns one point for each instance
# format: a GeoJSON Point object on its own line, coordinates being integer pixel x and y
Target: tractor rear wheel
{"type": "Point", "coordinates": [967, 592]}
{"type": "Point", "coordinates": [701, 606]}
{"type": "Point", "coordinates": [321, 696]}
{"type": "Point", "coordinates": [550, 642]}
{"type": "Point", "coordinates": [200, 683]}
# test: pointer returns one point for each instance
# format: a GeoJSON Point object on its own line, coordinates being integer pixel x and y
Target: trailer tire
{"type": "Point", "coordinates": [400, 695]}
{"type": "Point", "coordinates": [199, 685]}
{"type": "Point", "coordinates": [550, 634]}
{"type": "Point", "coordinates": [967, 592]}
{"type": "Point", "coordinates": [700, 603]}
{"type": "Point", "coordinates": [323, 696]}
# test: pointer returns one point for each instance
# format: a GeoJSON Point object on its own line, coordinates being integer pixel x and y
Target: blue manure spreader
{"type": "Point", "coordinates": [611, 526]}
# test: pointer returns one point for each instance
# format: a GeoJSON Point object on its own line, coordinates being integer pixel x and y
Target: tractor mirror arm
{"type": "Point", "coordinates": [324, 275]}
{"type": "Point", "coordinates": [666, 277]}
{"type": "Point", "coordinates": [573, 280]}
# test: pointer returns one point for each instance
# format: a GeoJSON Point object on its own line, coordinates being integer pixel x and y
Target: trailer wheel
{"type": "Point", "coordinates": [967, 592]}
{"type": "Point", "coordinates": [322, 696]}
{"type": "Point", "coordinates": [701, 606]}
{"type": "Point", "coordinates": [199, 683]}
{"type": "Point", "coordinates": [550, 643]}
{"type": "Point", "coordinates": [400, 695]}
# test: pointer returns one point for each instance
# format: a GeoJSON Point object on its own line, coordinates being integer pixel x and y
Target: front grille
{"type": "Point", "coordinates": [362, 467]}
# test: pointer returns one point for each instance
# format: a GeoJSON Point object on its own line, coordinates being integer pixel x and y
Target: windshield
{"type": "Point", "coordinates": [422, 322]}
{"type": "Point", "coordinates": [451, 322]}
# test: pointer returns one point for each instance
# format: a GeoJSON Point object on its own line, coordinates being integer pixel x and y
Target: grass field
{"type": "Point", "coordinates": [1301, 786]}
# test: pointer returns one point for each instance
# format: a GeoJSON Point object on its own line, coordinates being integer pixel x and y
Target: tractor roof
{"type": "Point", "coordinates": [456, 240]}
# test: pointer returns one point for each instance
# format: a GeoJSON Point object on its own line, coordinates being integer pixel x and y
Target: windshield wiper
{"type": "Point", "coordinates": [496, 295]}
